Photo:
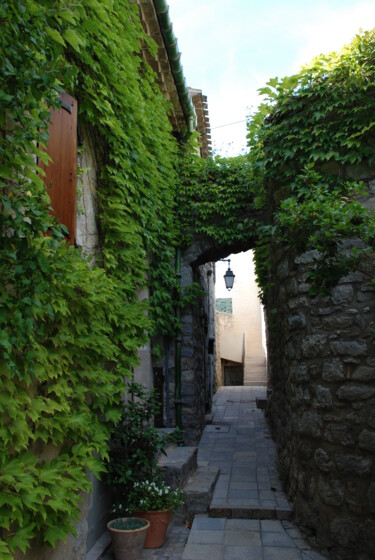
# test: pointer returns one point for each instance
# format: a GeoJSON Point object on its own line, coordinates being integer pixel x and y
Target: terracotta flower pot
{"type": "Point", "coordinates": [159, 521]}
{"type": "Point", "coordinates": [128, 543]}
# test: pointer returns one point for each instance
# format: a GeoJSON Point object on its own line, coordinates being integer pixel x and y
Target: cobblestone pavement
{"type": "Point", "coordinates": [246, 539]}
{"type": "Point", "coordinates": [240, 444]}
{"type": "Point", "coordinates": [251, 514]}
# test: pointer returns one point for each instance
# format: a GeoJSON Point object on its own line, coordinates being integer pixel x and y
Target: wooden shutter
{"type": "Point", "coordinates": [61, 172]}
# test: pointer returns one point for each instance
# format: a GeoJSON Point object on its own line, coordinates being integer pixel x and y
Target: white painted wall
{"type": "Point", "coordinates": [247, 309]}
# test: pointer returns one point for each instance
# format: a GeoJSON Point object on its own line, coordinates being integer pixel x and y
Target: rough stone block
{"type": "Point", "coordinates": [338, 433]}
{"type": "Point", "coordinates": [188, 390]}
{"type": "Point", "coordinates": [363, 373]}
{"type": "Point", "coordinates": [342, 293]}
{"type": "Point", "coordinates": [349, 347]}
{"type": "Point", "coordinates": [292, 288]}
{"type": "Point", "coordinates": [353, 392]}
{"type": "Point", "coordinates": [305, 449]}
{"type": "Point", "coordinates": [322, 460]}
{"type": "Point", "coordinates": [299, 373]}
{"type": "Point", "coordinates": [298, 302]}
{"type": "Point", "coordinates": [353, 464]}
{"type": "Point", "coordinates": [310, 424]}
{"type": "Point", "coordinates": [296, 321]}
{"type": "Point", "coordinates": [307, 258]}
{"type": "Point", "coordinates": [367, 440]}
{"type": "Point", "coordinates": [323, 397]}
{"type": "Point", "coordinates": [365, 296]}
{"type": "Point", "coordinates": [344, 530]}
{"type": "Point", "coordinates": [314, 345]}
{"type": "Point", "coordinates": [331, 491]}
{"type": "Point", "coordinates": [336, 323]}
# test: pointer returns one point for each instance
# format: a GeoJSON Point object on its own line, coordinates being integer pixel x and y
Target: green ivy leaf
{"type": "Point", "coordinates": [55, 36]}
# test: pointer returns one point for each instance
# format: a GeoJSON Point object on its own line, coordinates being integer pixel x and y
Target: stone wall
{"type": "Point", "coordinates": [321, 365]}
{"type": "Point", "coordinates": [197, 366]}
{"type": "Point", "coordinates": [198, 327]}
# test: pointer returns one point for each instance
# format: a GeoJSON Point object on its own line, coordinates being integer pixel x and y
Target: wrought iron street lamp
{"type": "Point", "coordinates": [228, 276]}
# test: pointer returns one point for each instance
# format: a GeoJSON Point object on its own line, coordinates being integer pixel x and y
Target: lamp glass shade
{"type": "Point", "coordinates": [229, 279]}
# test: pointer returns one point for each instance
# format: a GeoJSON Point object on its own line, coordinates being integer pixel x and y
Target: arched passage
{"type": "Point", "coordinates": [321, 363]}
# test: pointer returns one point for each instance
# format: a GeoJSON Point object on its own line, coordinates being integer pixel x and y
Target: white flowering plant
{"type": "Point", "coordinates": [153, 495]}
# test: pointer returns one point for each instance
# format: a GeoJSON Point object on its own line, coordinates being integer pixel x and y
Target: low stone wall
{"type": "Point", "coordinates": [321, 365]}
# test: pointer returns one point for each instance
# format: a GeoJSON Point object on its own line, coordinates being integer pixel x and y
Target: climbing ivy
{"type": "Point", "coordinates": [69, 330]}
{"type": "Point", "coordinates": [298, 187]}
{"type": "Point", "coordinates": [216, 198]}
{"type": "Point", "coordinates": [310, 141]}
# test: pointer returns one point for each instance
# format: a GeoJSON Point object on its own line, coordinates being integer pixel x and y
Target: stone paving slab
{"type": "Point", "coordinates": [249, 484]}
{"type": "Point", "coordinates": [230, 539]}
{"type": "Point", "coordinates": [246, 539]}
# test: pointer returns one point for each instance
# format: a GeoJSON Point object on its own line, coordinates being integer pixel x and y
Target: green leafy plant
{"type": "Point", "coordinates": [136, 443]}
{"type": "Point", "coordinates": [216, 199]}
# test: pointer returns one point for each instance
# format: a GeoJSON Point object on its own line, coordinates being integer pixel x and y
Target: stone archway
{"type": "Point", "coordinates": [321, 357]}
{"type": "Point", "coordinates": [198, 328]}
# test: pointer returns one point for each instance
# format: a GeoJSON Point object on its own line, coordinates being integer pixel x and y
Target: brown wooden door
{"type": "Point", "coordinates": [61, 172]}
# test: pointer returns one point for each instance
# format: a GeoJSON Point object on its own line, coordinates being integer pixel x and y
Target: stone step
{"type": "Point", "coordinates": [255, 383]}
{"type": "Point", "coordinates": [100, 547]}
{"type": "Point", "coordinates": [253, 369]}
{"type": "Point", "coordinates": [178, 464]}
{"type": "Point", "coordinates": [255, 361]}
{"type": "Point", "coordinates": [199, 489]}
{"type": "Point", "coordinates": [255, 373]}
{"type": "Point", "coordinates": [283, 513]}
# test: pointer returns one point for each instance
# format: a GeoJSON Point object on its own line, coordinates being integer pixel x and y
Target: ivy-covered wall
{"type": "Point", "coordinates": [314, 149]}
{"type": "Point", "coordinates": [70, 329]}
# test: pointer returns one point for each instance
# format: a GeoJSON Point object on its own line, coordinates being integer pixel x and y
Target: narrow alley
{"type": "Point", "coordinates": [249, 516]}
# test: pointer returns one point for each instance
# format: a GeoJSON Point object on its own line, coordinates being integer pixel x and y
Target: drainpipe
{"type": "Point", "coordinates": [166, 365]}
{"type": "Point", "coordinates": [178, 342]}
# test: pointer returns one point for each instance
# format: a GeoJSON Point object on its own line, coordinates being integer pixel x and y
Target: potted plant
{"type": "Point", "coordinates": [132, 469]}
{"type": "Point", "coordinates": [128, 536]}
{"type": "Point", "coordinates": [155, 501]}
